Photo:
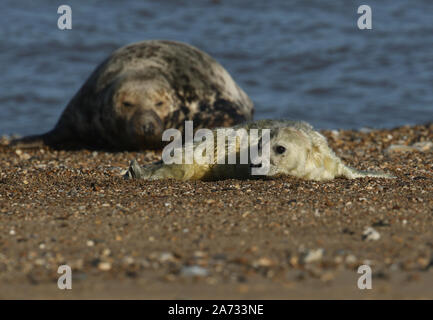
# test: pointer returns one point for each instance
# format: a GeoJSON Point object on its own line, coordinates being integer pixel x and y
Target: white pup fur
{"type": "Point", "coordinates": [296, 149]}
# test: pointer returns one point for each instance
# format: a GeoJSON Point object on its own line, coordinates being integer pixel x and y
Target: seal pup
{"type": "Point", "coordinates": [141, 90]}
{"type": "Point", "coordinates": [296, 149]}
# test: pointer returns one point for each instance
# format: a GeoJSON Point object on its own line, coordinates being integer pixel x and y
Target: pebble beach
{"type": "Point", "coordinates": [283, 238]}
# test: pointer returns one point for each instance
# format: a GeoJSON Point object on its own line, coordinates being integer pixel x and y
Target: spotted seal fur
{"type": "Point", "coordinates": [142, 89]}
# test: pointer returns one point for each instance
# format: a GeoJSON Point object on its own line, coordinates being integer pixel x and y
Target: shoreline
{"type": "Point", "coordinates": [5, 137]}
{"type": "Point", "coordinates": [281, 238]}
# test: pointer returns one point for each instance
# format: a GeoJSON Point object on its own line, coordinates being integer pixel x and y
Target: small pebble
{"type": "Point", "coordinates": [194, 271]}
{"type": "Point", "coordinates": [313, 255]}
{"type": "Point", "coordinates": [104, 266]}
{"type": "Point", "coordinates": [370, 234]}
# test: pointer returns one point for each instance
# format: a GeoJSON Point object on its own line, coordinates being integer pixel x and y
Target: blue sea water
{"type": "Point", "coordinates": [300, 59]}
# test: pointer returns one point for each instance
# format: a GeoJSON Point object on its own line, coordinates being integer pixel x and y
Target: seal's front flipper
{"type": "Point", "coordinates": [154, 171]}
{"type": "Point", "coordinates": [134, 171]}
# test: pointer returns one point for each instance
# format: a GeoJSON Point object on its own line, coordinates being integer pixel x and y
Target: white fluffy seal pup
{"type": "Point", "coordinates": [295, 149]}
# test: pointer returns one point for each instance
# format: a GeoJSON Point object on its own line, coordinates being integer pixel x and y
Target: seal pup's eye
{"type": "Point", "coordinates": [280, 149]}
{"type": "Point", "coordinates": [127, 104]}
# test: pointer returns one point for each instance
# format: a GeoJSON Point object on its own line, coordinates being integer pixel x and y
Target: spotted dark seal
{"type": "Point", "coordinates": [143, 89]}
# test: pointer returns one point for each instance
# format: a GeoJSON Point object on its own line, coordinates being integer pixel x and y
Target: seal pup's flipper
{"type": "Point", "coordinates": [352, 173]}
{"type": "Point", "coordinates": [134, 171]}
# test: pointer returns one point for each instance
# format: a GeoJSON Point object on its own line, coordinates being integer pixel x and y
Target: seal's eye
{"type": "Point", "coordinates": [280, 149]}
{"type": "Point", "coordinates": [127, 104]}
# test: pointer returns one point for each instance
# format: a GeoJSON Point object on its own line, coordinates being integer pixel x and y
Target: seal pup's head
{"type": "Point", "coordinates": [289, 150]}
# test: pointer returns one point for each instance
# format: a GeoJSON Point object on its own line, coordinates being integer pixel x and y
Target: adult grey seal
{"type": "Point", "coordinates": [141, 90]}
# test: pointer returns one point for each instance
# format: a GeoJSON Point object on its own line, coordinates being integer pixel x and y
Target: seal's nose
{"type": "Point", "coordinates": [152, 127]}
{"type": "Point", "coordinates": [150, 123]}
{"type": "Point", "coordinates": [149, 127]}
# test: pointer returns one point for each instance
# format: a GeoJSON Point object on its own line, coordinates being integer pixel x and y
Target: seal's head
{"type": "Point", "coordinates": [289, 151]}
{"type": "Point", "coordinates": [138, 107]}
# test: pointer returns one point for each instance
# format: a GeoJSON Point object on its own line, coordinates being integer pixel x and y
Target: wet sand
{"type": "Point", "coordinates": [281, 239]}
